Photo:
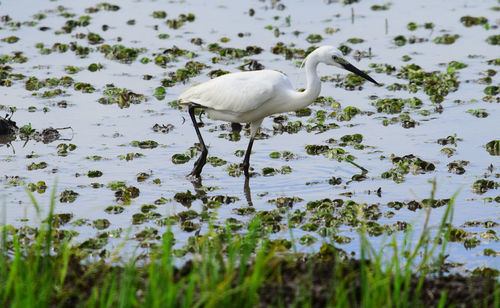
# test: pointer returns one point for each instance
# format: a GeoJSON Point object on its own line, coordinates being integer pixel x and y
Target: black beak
{"type": "Point", "coordinates": [355, 70]}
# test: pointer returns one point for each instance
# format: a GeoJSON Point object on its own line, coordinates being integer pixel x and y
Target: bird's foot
{"type": "Point", "coordinates": [198, 165]}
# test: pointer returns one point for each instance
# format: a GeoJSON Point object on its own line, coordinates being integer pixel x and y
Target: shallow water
{"type": "Point", "coordinates": [107, 130]}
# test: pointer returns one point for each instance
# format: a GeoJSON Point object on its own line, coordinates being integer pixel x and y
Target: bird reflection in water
{"type": "Point", "coordinates": [200, 191]}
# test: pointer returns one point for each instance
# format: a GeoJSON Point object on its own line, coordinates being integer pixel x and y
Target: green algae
{"type": "Point", "coordinates": [159, 14]}
{"type": "Point", "coordinates": [68, 196]}
{"type": "Point", "coordinates": [37, 166]}
{"type": "Point", "coordinates": [493, 39]}
{"type": "Point", "coordinates": [84, 87]}
{"type": "Point", "coordinates": [446, 39]}
{"type": "Point", "coordinates": [146, 144]}
{"type": "Point", "coordinates": [399, 40]}
{"type": "Point", "coordinates": [178, 22]}
{"type": "Point", "coordinates": [493, 147]}
{"type": "Point", "coordinates": [191, 69]}
{"type": "Point", "coordinates": [180, 158]}
{"type": "Point", "coordinates": [396, 105]}
{"type": "Point", "coordinates": [406, 164]}
{"type": "Point", "coordinates": [483, 185]}
{"type": "Point", "coordinates": [94, 173]}
{"type": "Point", "coordinates": [122, 97]}
{"type": "Point", "coordinates": [314, 38]}
{"type": "Point", "coordinates": [125, 194]}
{"type": "Point", "coordinates": [10, 39]}
{"type": "Point", "coordinates": [478, 113]}
{"type": "Point", "coordinates": [185, 198]}
{"type": "Point", "coordinates": [470, 21]}
{"type": "Point", "coordinates": [120, 52]}
{"type": "Point", "coordinates": [381, 7]}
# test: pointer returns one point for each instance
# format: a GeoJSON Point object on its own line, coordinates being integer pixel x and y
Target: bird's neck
{"type": "Point", "coordinates": [305, 98]}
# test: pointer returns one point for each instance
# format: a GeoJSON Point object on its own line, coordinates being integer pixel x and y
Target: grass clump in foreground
{"type": "Point", "coordinates": [39, 267]}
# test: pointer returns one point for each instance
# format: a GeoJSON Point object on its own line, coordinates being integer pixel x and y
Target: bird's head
{"type": "Point", "coordinates": [332, 56]}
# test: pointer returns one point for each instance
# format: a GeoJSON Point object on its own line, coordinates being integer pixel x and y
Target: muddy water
{"type": "Point", "coordinates": [107, 131]}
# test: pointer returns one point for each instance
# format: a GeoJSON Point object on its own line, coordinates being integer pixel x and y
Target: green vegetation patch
{"type": "Point", "coordinates": [180, 158]}
{"type": "Point", "coordinates": [159, 14]}
{"type": "Point", "coordinates": [10, 39]}
{"type": "Point", "coordinates": [108, 6]}
{"type": "Point", "coordinates": [446, 39]}
{"type": "Point", "coordinates": [493, 39]}
{"type": "Point", "coordinates": [436, 85]}
{"type": "Point", "coordinates": [483, 185]}
{"type": "Point", "coordinates": [185, 198]}
{"type": "Point", "coordinates": [170, 55]}
{"type": "Point", "coordinates": [191, 69]}
{"type": "Point", "coordinates": [478, 113]}
{"type": "Point", "coordinates": [396, 105]}
{"type": "Point", "coordinates": [122, 97]}
{"type": "Point", "coordinates": [178, 22]}
{"type": "Point", "coordinates": [37, 166]}
{"type": "Point", "coordinates": [493, 147]}
{"type": "Point", "coordinates": [84, 87]}
{"type": "Point", "coordinates": [314, 38]}
{"type": "Point", "coordinates": [229, 52]}
{"type": "Point", "coordinates": [494, 61]}
{"type": "Point", "coordinates": [470, 21]}
{"type": "Point", "coordinates": [146, 144]}
{"type": "Point", "coordinates": [120, 53]}
{"type": "Point", "coordinates": [68, 196]}
{"type": "Point", "coordinates": [380, 7]}
{"type": "Point", "coordinates": [399, 40]}
{"type": "Point", "coordinates": [406, 164]}
{"type": "Point", "coordinates": [94, 38]}
{"type": "Point", "coordinates": [291, 52]}
{"type": "Point", "coordinates": [71, 24]}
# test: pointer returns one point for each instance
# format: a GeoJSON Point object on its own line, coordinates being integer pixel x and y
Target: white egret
{"type": "Point", "coordinates": [249, 97]}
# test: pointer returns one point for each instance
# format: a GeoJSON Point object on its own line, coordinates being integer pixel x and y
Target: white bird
{"type": "Point", "coordinates": [249, 97]}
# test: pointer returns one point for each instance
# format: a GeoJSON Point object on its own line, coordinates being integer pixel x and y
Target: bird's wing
{"type": "Point", "coordinates": [236, 92]}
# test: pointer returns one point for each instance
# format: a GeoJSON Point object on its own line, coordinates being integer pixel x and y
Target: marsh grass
{"type": "Point", "coordinates": [398, 282]}
{"type": "Point", "coordinates": [227, 269]}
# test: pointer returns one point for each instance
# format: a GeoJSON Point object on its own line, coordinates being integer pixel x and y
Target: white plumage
{"type": "Point", "coordinates": [237, 92]}
{"type": "Point", "coordinates": [249, 97]}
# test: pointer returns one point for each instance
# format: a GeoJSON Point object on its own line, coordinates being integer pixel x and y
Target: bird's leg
{"type": "Point", "coordinates": [199, 117]}
{"type": "Point", "coordinates": [246, 161]}
{"type": "Point", "coordinates": [254, 128]}
{"type": "Point", "coordinates": [198, 165]}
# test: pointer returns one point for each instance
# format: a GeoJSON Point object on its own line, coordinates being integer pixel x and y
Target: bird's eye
{"type": "Point", "coordinates": [335, 58]}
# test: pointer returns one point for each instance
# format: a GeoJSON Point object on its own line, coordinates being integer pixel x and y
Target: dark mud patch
{"type": "Point", "coordinates": [8, 130]}
{"type": "Point", "coordinates": [7, 126]}
{"type": "Point", "coordinates": [316, 276]}
{"type": "Point", "coordinates": [302, 280]}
